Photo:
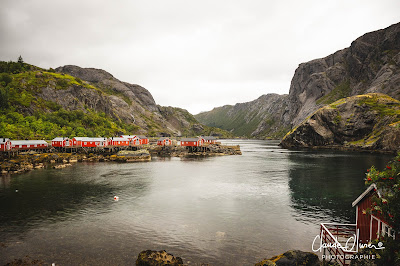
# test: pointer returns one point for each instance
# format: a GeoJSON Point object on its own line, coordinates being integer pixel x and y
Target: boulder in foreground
{"type": "Point", "coordinates": [157, 258]}
{"type": "Point", "coordinates": [292, 258]}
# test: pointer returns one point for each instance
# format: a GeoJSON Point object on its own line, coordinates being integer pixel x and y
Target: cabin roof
{"type": "Point", "coordinates": [4, 140]}
{"type": "Point", "coordinates": [59, 139]}
{"type": "Point", "coordinates": [89, 139]}
{"type": "Point", "coordinates": [128, 136]}
{"type": "Point", "coordinates": [141, 137]}
{"type": "Point", "coordinates": [28, 142]}
{"type": "Point", "coordinates": [163, 138]}
{"type": "Point", "coordinates": [190, 139]}
{"type": "Point", "coordinates": [119, 139]}
{"type": "Point", "coordinates": [209, 138]}
{"type": "Point", "coordinates": [365, 193]}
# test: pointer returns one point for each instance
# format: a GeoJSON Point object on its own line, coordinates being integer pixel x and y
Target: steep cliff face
{"type": "Point", "coordinates": [264, 117]}
{"type": "Point", "coordinates": [366, 122]}
{"type": "Point", "coordinates": [370, 64]}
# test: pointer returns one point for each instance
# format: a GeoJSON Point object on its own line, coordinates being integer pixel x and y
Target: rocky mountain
{"type": "Point", "coordinates": [264, 117]}
{"type": "Point", "coordinates": [85, 101]}
{"type": "Point", "coordinates": [362, 122]}
{"type": "Point", "coordinates": [370, 64]}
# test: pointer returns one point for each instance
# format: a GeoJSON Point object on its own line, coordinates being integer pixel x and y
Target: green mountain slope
{"type": "Point", "coordinates": [261, 118]}
{"type": "Point", "coordinates": [39, 103]}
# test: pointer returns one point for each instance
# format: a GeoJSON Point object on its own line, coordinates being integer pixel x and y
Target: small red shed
{"type": "Point", "coordinates": [60, 142]}
{"type": "Point", "coordinates": [370, 226]}
{"type": "Point", "coordinates": [192, 142]}
{"type": "Point", "coordinates": [5, 144]}
{"type": "Point", "coordinates": [88, 142]}
{"type": "Point", "coordinates": [143, 139]}
{"type": "Point", "coordinates": [164, 142]}
{"type": "Point", "coordinates": [210, 139]}
{"type": "Point", "coordinates": [135, 141]}
{"type": "Point", "coordinates": [118, 141]}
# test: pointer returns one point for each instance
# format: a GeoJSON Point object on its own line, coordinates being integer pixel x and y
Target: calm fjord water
{"type": "Point", "coordinates": [231, 210]}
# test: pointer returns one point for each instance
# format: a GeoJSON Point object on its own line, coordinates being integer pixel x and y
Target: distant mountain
{"type": "Point", "coordinates": [75, 101]}
{"type": "Point", "coordinates": [370, 65]}
{"type": "Point", "coordinates": [362, 122]}
{"type": "Point", "coordinates": [265, 117]}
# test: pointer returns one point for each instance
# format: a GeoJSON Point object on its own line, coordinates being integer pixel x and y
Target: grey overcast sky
{"type": "Point", "coordinates": [190, 54]}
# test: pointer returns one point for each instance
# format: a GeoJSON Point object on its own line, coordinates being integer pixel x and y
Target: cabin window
{"type": "Point", "coordinates": [388, 231]}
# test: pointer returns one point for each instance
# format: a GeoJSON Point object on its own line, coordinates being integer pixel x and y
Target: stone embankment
{"type": "Point", "coordinates": [208, 150]}
{"type": "Point", "coordinates": [25, 162]}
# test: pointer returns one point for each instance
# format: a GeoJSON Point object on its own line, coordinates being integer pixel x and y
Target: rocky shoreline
{"type": "Point", "coordinates": [27, 161]}
{"type": "Point", "coordinates": [209, 150]}
{"type": "Point", "coordinates": [289, 258]}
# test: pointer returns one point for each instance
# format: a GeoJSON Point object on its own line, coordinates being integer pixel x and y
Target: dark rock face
{"type": "Point", "coordinates": [292, 258]}
{"type": "Point", "coordinates": [130, 103]}
{"type": "Point", "coordinates": [367, 122]}
{"type": "Point", "coordinates": [157, 258]}
{"type": "Point", "coordinates": [76, 97]}
{"type": "Point", "coordinates": [105, 80]}
{"type": "Point", "coordinates": [370, 64]}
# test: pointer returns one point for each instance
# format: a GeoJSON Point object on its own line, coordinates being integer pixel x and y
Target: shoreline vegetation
{"type": "Point", "coordinates": [27, 161]}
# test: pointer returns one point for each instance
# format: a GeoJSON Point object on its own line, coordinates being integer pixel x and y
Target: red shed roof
{"type": "Point", "coordinates": [365, 193]}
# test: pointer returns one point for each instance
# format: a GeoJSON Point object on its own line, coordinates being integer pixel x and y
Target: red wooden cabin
{"type": "Point", "coordinates": [5, 144]}
{"type": "Point", "coordinates": [143, 139]}
{"type": "Point", "coordinates": [118, 141]}
{"type": "Point", "coordinates": [210, 139]}
{"type": "Point", "coordinates": [60, 142]}
{"type": "Point", "coordinates": [368, 227]}
{"type": "Point", "coordinates": [88, 142]}
{"type": "Point", "coordinates": [164, 142]}
{"type": "Point", "coordinates": [29, 144]}
{"type": "Point", "coordinates": [192, 142]}
{"type": "Point", "coordinates": [371, 226]}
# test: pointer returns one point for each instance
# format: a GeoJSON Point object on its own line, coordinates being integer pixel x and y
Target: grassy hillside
{"type": "Point", "coordinates": [25, 115]}
{"type": "Point", "coordinates": [28, 110]}
{"type": "Point", "coordinates": [261, 118]}
{"type": "Point", "coordinates": [220, 118]}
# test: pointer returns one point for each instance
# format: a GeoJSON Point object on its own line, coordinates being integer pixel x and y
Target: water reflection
{"type": "Point", "coordinates": [229, 210]}
{"type": "Point", "coordinates": [325, 183]}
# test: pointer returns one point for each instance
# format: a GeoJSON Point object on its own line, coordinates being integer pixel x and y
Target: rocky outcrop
{"type": "Point", "coordinates": [363, 122]}
{"type": "Point", "coordinates": [106, 81]}
{"type": "Point", "coordinates": [264, 117]}
{"type": "Point", "coordinates": [135, 156]}
{"type": "Point", "coordinates": [157, 258]}
{"type": "Point", "coordinates": [206, 150]}
{"type": "Point", "coordinates": [292, 258]}
{"type": "Point", "coordinates": [370, 64]}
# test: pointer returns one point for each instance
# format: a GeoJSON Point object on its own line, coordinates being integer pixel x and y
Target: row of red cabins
{"type": "Point", "coordinates": [189, 142]}
{"type": "Point", "coordinates": [76, 142]}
